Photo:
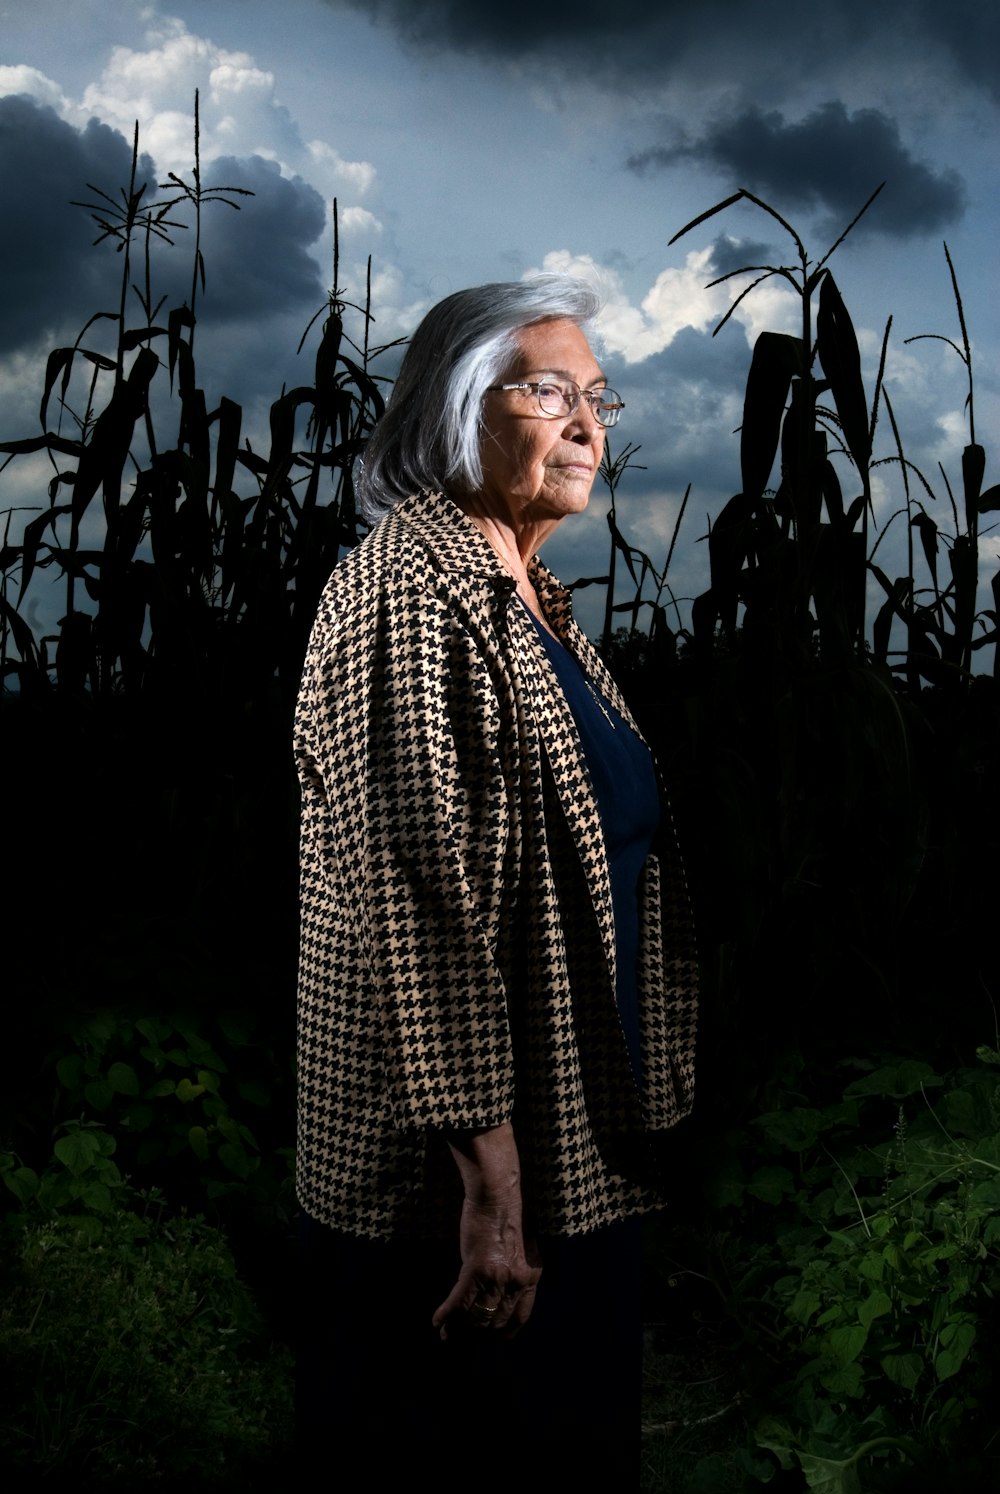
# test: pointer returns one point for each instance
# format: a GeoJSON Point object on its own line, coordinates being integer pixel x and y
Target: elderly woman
{"type": "Point", "coordinates": [497, 986]}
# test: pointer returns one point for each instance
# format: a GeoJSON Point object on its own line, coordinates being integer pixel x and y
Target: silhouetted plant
{"type": "Point", "coordinates": [830, 793]}
{"type": "Point", "coordinates": [941, 630]}
{"type": "Point", "coordinates": [197, 586]}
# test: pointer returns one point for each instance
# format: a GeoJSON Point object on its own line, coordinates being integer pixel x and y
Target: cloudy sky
{"type": "Point", "coordinates": [468, 142]}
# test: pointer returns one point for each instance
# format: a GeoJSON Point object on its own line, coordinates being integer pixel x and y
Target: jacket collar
{"type": "Point", "coordinates": [457, 544]}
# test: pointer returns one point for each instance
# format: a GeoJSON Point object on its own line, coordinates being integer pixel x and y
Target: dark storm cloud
{"type": "Point", "coordinates": [831, 160]}
{"type": "Point", "coordinates": [256, 258]}
{"type": "Point", "coordinates": [54, 280]}
{"type": "Point", "coordinates": [653, 40]}
{"type": "Point", "coordinates": [696, 357]}
{"type": "Point", "coordinates": [51, 277]}
{"type": "Point", "coordinates": [732, 254]}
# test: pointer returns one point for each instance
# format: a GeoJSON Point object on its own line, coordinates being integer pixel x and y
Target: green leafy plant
{"type": "Point", "coordinates": [872, 1274]}
{"type": "Point", "coordinates": [135, 1356]}
{"type": "Point", "coordinates": [174, 1103]}
{"type": "Point", "coordinates": [79, 1180]}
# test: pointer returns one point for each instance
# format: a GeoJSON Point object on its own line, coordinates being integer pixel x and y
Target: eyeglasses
{"type": "Point", "coordinates": [560, 398]}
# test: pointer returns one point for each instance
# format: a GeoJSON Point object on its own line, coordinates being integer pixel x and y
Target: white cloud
{"type": "Point", "coordinates": [20, 79]}
{"type": "Point", "coordinates": [236, 74]}
{"type": "Point", "coordinates": [678, 298]}
{"type": "Point", "coordinates": [358, 220]}
{"type": "Point", "coordinates": [135, 85]}
{"type": "Point", "coordinates": [768, 308]}
{"type": "Point", "coordinates": [360, 175]}
{"type": "Point", "coordinates": [156, 86]}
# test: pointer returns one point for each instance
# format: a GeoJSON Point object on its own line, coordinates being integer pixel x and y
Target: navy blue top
{"type": "Point", "coordinates": [621, 772]}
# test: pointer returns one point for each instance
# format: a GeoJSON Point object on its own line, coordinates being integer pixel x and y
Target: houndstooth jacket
{"type": "Point", "coordinates": [457, 940]}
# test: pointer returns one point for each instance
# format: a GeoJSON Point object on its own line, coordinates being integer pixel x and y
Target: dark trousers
{"type": "Point", "coordinates": [379, 1392]}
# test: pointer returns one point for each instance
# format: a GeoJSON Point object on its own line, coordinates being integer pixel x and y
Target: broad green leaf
{"type": "Point", "coordinates": [846, 1343]}
{"type": "Point", "coordinates": [956, 1340]}
{"type": "Point", "coordinates": [845, 1380]}
{"type": "Point", "coordinates": [876, 1306]}
{"type": "Point", "coordinates": [198, 1137]}
{"type": "Point", "coordinates": [903, 1369]}
{"type": "Point", "coordinates": [153, 1031]}
{"type": "Point", "coordinates": [986, 1195]}
{"type": "Point", "coordinates": [98, 1093]}
{"type": "Point", "coordinates": [794, 1130]}
{"type": "Point", "coordinates": [186, 1091]}
{"type": "Point", "coordinates": [778, 1437]}
{"type": "Point", "coordinates": [160, 1088]}
{"type": "Point", "coordinates": [203, 1055]}
{"type": "Point", "coordinates": [77, 1151]}
{"type": "Point", "coordinates": [897, 1081]}
{"type": "Point", "coordinates": [100, 1028]}
{"type": "Point", "coordinates": [962, 1112]}
{"type": "Point", "coordinates": [70, 1070]}
{"type": "Point", "coordinates": [23, 1183]}
{"type": "Point", "coordinates": [123, 1080]}
{"type": "Point", "coordinates": [96, 1195]}
{"type": "Point", "coordinates": [829, 1475]}
{"type": "Point", "coordinates": [804, 1305]}
{"type": "Point", "coordinates": [54, 1189]}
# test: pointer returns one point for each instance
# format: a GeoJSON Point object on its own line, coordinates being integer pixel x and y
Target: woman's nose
{"type": "Point", "coordinates": [582, 422]}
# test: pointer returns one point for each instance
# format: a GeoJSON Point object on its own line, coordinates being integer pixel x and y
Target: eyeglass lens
{"type": "Point", "coordinates": [561, 399]}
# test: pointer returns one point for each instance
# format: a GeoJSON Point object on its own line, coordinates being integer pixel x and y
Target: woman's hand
{"type": "Point", "coordinates": [496, 1285]}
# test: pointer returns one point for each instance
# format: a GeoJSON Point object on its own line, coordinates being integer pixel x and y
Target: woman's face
{"type": "Point", "coordinates": [536, 468]}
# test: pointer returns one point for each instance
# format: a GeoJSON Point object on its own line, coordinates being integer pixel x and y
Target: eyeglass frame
{"type": "Point", "coordinates": [590, 395]}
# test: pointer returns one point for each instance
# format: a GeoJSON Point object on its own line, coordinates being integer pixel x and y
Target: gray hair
{"type": "Point", "coordinates": [428, 437]}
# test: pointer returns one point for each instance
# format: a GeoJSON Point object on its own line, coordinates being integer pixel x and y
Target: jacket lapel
{"type": "Point", "coordinates": [459, 547]}
{"type": "Point", "coordinates": [570, 776]}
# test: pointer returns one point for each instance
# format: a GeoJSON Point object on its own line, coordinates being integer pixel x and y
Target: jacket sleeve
{"type": "Point", "coordinates": [404, 793]}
